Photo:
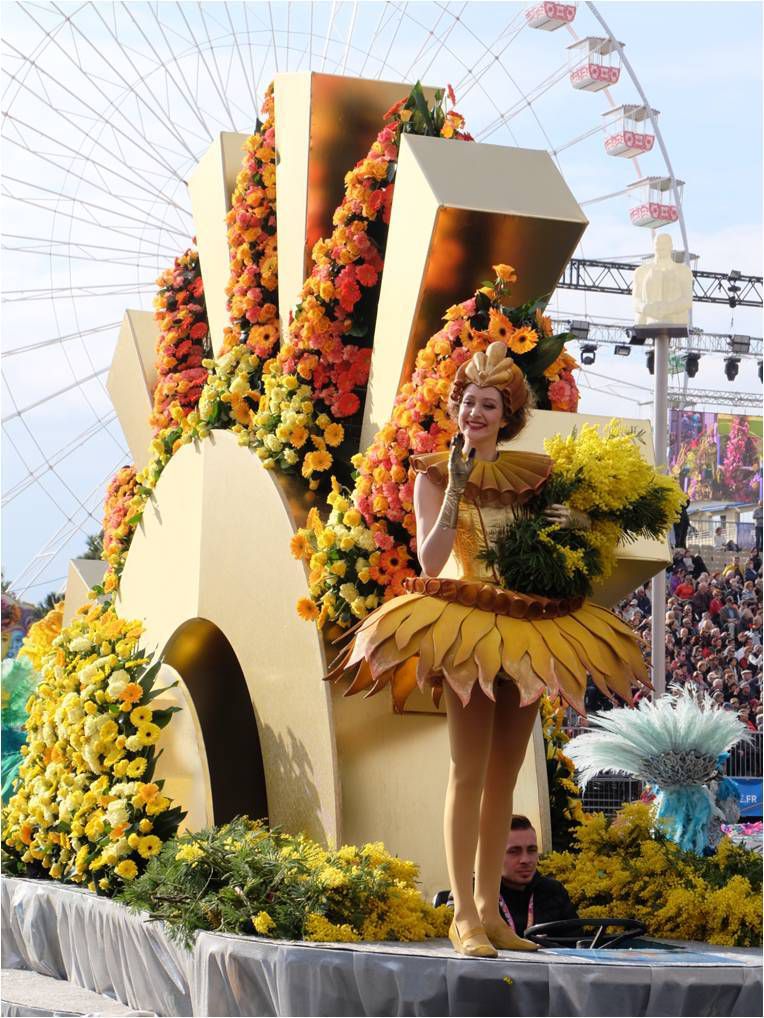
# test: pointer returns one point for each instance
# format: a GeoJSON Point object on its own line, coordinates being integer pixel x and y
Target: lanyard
{"type": "Point", "coordinates": [508, 915]}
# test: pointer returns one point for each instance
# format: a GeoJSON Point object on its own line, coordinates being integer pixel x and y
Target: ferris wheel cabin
{"type": "Point", "coordinates": [658, 206]}
{"type": "Point", "coordinates": [595, 63]}
{"type": "Point", "coordinates": [550, 16]}
{"type": "Point", "coordinates": [625, 133]}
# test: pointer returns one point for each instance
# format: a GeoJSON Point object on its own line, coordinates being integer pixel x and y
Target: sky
{"type": "Point", "coordinates": [101, 135]}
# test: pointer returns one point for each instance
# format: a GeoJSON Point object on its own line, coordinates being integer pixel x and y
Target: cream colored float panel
{"type": "Point", "coordinates": [83, 575]}
{"type": "Point", "coordinates": [637, 561]}
{"type": "Point", "coordinates": [210, 187]}
{"type": "Point", "coordinates": [132, 379]}
{"type": "Point", "coordinates": [214, 545]}
{"type": "Point", "coordinates": [458, 209]}
{"type": "Point", "coordinates": [325, 123]}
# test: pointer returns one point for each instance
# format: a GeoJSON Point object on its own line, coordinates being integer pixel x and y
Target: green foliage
{"type": "Point", "coordinates": [245, 878]}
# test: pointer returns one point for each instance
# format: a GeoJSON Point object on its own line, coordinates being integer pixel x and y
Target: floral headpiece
{"type": "Point", "coordinates": [494, 368]}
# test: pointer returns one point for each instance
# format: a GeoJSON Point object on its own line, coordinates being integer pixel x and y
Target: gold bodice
{"type": "Point", "coordinates": [476, 530]}
{"type": "Point", "coordinates": [492, 492]}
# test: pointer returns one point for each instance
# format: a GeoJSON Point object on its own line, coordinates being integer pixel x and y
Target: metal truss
{"type": "Point", "coordinates": [732, 288]}
{"type": "Point", "coordinates": [726, 397]}
{"type": "Point", "coordinates": [697, 341]}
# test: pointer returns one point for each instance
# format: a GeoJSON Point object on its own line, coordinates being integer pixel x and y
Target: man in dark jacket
{"type": "Point", "coordinates": [527, 898]}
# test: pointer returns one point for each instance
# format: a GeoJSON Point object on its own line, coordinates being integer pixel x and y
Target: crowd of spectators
{"type": "Point", "coordinates": [713, 629]}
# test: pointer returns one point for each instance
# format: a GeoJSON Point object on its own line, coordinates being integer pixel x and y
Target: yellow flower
{"type": "Point", "coordinates": [318, 928]}
{"type": "Point", "coordinates": [263, 923]}
{"type": "Point", "coordinates": [148, 734]}
{"type": "Point", "coordinates": [300, 546]}
{"type": "Point", "coordinates": [189, 853]}
{"type": "Point", "coordinates": [126, 869]}
{"type": "Point", "coordinates": [148, 846]}
{"type": "Point", "coordinates": [141, 716]}
{"type": "Point", "coordinates": [136, 768]}
{"type": "Point", "coordinates": [334, 434]}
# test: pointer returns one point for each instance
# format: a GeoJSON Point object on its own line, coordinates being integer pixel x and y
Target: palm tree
{"type": "Point", "coordinates": [93, 546]}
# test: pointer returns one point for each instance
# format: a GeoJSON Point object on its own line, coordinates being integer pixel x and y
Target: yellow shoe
{"type": "Point", "coordinates": [474, 943]}
{"type": "Point", "coordinates": [507, 940]}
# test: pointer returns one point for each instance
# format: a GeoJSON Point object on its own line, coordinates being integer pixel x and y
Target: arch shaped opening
{"type": "Point", "coordinates": [211, 672]}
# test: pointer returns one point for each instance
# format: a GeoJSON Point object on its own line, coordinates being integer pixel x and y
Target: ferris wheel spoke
{"type": "Point", "coordinates": [40, 344]}
{"type": "Point", "coordinates": [80, 292]}
{"type": "Point", "coordinates": [273, 36]}
{"type": "Point", "coordinates": [181, 234]}
{"type": "Point", "coordinates": [393, 37]}
{"type": "Point", "coordinates": [200, 51]}
{"type": "Point", "coordinates": [429, 40]}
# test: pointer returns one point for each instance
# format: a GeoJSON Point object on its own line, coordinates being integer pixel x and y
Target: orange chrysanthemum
{"type": "Point", "coordinates": [299, 546]}
{"type": "Point", "coordinates": [522, 340]}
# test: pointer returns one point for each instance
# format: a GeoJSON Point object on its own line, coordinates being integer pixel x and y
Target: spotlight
{"type": "Point", "coordinates": [740, 344]}
{"type": "Point", "coordinates": [621, 350]}
{"type": "Point", "coordinates": [761, 372]}
{"type": "Point", "coordinates": [637, 337]}
{"type": "Point", "coordinates": [588, 353]}
{"type": "Point", "coordinates": [691, 362]}
{"type": "Point", "coordinates": [731, 367]}
{"type": "Point", "coordinates": [734, 275]}
{"type": "Point", "coordinates": [578, 329]}
{"type": "Point", "coordinates": [650, 357]}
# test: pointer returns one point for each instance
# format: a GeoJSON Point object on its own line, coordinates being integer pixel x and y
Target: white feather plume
{"type": "Point", "coordinates": [674, 741]}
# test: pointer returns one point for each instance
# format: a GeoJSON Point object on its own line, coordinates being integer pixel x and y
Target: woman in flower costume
{"type": "Point", "coordinates": [491, 651]}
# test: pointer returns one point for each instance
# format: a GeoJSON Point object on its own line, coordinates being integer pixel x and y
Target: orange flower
{"type": "Point", "coordinates": [148, 792]}
{"type": "Point", "coordinates": [543, 323]}
{"type": "Point", "coordinates": [500, 327]}
{"type": "Point", "coordinates": [522, 340]}
{"type": "Point", "coordinates": [307, 609]}
{"type": "Point", "coordinates": [299, 546]}
{"type": "Point", "coordinates": [131, 694]}
{"type": "Point", "coordinates": [505, 273]}
{"type": "Point", "coordinates": [334, 434]}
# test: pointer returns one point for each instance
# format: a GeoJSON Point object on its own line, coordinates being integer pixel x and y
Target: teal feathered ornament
{"type": "Point", "coordinates": [18, 680]}
{"type": "Point", "coordinates": [674, 745]}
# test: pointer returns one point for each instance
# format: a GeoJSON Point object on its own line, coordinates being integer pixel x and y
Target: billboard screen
{"type": "Point", "coordinates": [716, 457]}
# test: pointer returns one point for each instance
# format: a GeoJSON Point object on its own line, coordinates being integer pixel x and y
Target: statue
{"type": "Point", "coordinates": [662, 288]}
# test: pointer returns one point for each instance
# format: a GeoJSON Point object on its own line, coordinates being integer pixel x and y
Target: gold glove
{"type": "Point", "coordinates": [567, 518]}
{"type": "Point", "coordinates": [459, 469]}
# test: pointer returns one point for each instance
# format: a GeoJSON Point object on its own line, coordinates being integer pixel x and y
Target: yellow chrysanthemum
{"type": "Point", "coordinates": [307, 609]}
{"type": "Point", "coordinates": [149, 846]}
{"type": "Point", "coordinates": [126, 869]}
{"type": "Point", "coordinates": [522, 340]}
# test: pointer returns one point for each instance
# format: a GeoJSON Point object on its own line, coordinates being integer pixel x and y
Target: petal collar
{"type": "Point", "coordinates": [511, 479]}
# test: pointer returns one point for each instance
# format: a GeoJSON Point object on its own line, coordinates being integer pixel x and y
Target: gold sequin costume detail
{"type": "Point", "coordinates": [426, 639]}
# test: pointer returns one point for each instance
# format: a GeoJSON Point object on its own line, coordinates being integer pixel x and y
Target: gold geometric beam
{"type": "Point", "coordinates": [325, 123]}
{"type": "Point", "coordinates": [132, 379]}
{"type": "Point", "coordinates": [458, 209]}
{"type": "Point", "coordinates": [210, 187]}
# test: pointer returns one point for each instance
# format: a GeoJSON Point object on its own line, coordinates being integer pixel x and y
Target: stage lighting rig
{"type": "Point", "coordinates": [621, 350]}
{"type": "Point", "coordinates": [578, 329]}
{"type": "Point", "coordinates": [733, 289]}
{"type": "Point", "coordinates": [691, 364]}
{"type": "Point", "coordinates": [588, 353]}
{"type": "Point", "coordinates": [650, 358]}
{"type": "Point", "coordinates": [740, 344]}
{"type": "Point", "coordinates": [731, 367]}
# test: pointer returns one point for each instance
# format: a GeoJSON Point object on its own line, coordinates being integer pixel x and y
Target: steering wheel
{"type": "Point", "coordinates": [570, 933]}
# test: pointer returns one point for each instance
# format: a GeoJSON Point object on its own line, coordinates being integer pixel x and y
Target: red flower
{"type": "Point", "coordinates": [346, 405]}
{"type": "Point", "coordinates": [200, 330]}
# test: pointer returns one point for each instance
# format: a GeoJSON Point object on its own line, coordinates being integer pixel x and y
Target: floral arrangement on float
{"type": "Point", "coordinates": [604, 476]}
{"type": "Point", "coordinates": [627, 868]}
{"type": "Point", "coordinates": [235, 379]}
{"type": "Point", "coordinates": [742, 454]}
{"type": "Point", "coordinates": [86, 809]}
{"type": "Point", "coordinates": [244, 878]}
{"type": "Point", "coordinates": [181, 314]}
{"type": "Point", "coordinates": [318, 378]}
{"type": "Point", "coordinates": [367, 547]}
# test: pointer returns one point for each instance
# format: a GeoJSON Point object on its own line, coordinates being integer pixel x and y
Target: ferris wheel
{"type": "Point", "coordinates": [108, 107]}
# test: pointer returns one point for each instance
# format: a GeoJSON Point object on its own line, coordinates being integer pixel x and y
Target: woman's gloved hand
{"type": "Point", "coordinates": [459, 469]}
{"type": "Point", "coordinates": [567, 518]}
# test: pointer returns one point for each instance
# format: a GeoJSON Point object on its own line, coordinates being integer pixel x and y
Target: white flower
{"type": "Point", "coordinates": [80, 644]}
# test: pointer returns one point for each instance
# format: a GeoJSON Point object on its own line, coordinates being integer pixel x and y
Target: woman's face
{"type": "Point", "coordinates": [481, 415]}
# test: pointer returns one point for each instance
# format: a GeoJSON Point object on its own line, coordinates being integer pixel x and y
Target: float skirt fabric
{"type": "Point", "coordinates": [425, 639]}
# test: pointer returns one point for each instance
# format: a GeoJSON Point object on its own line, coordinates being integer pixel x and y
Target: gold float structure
{"type": "Point", "coordinates": [209, 571]}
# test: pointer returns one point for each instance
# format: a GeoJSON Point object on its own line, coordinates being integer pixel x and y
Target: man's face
{"type": "Point", "coordinates": [521, 857]}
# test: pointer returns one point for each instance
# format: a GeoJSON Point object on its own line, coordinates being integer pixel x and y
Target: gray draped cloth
{"type": "Point", "coordinates": [68, 933]}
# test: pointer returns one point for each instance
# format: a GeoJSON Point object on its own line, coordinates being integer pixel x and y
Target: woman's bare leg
{"type": "Point", "coordinates": [511, 731]}
{"type": "Point", "coordinates": [469, 733]}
